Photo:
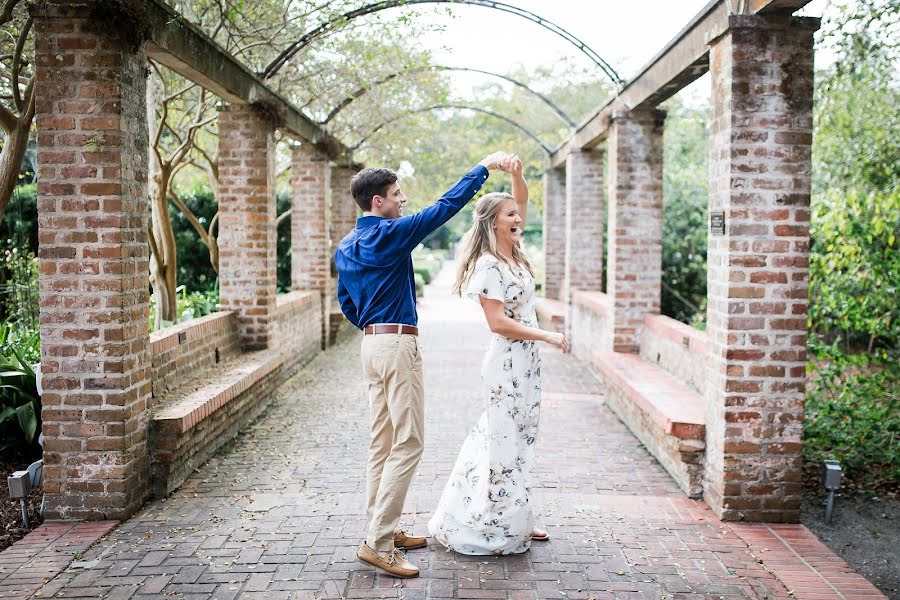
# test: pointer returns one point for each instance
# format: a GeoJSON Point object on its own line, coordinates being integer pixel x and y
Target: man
{"type": "Point", "coordinates": [377, 292]}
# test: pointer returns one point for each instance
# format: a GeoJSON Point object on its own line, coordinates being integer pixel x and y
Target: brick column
{"type": "Point", "coordinates": [344, 210]}
{"type": "Point", "coordinates": [92, 148]}
{"type": "Point", "coordinates": [554, 233]}
{"type": "Point", "coordinates": [343, 219]}
{"type": "Point", "coordinates": [761, 132]}
{"type": "Point", "coordinates": [246, 194]}
{"type": "Point", "coordinates": [310, 226]}
{"type": "Point", "coordinates": [584, 221]}
{"type": "Point", "coordinates": [634, 243]}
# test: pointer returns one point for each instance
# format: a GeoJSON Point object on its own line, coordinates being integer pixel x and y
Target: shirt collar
{"type": "Point", "coordinates": [369, 220]}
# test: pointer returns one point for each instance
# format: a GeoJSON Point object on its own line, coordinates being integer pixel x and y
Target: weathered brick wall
{"type": "Point", "coordinates": [761, 132]}
{"type": "Point", "coordinates": [298, 328]}
{"type": "Point", "coordinates": [176, 454]}
{"type": "Point", "coordinates": [344, 210]}
{"type": "Point", "coordinates": [634, 262]}
{"type": "Point", "coordinates": [181, 352]}
{"type": "Point", "coordinates": [310, 235]}
{"type": "Point", "coordinates": [589, 323]}
{"type": "Point", "coordinates": [554, 233]}
{"type": "Point", "coordinates": [311, 251]}
{"type": "Point", "coordinates": [92, 226]}
{"type": "Point", "coordinates": [676, 347]}
{"type": "Point", "coordinates": [584, 221]}
{"type": "Point", "coordinates": [246, 195]}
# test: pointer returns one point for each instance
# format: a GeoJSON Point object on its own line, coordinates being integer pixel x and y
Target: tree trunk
{"type": "Point", "coordinates": [14, 148]}
{"type": "Point", "coordinates": [163, 264]}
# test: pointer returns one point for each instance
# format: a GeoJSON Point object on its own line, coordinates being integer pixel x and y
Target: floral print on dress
{"type": "Point", "coordinates": [486, 506]}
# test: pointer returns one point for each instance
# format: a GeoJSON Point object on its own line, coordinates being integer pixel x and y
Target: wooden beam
{"type": "Point", "coordinates": [680, 62]}
{"type": "Point", "coordinates": [181, 46]}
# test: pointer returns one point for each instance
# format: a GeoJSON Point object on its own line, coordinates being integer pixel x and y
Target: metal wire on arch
{"type": "Point", "coordinates": [535, 138]}
{"type": "Point", "coordinates": [357, 93]}
{"type": "Point", "coordinates": [331, 24]}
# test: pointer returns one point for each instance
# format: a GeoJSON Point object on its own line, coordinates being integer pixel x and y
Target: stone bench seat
{"type": "Point", "coordinates": [664, 413]}
{"type": "Point", "coordinates": [551, 314]}
{"type": "Point", "coordinates": [192, 421]}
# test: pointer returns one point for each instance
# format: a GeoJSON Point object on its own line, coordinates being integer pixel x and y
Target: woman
{"type": "Point", "coordinates": [486, 505]}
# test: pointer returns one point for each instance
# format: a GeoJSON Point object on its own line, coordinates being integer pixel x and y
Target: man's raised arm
{"type": "Point", "coordinates": [411, 230]}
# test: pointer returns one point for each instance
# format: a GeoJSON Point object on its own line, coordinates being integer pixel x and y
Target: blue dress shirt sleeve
{"type": "Point", "coordinates": [347, 306]}
{"type": "Point", "coordinates": [408, 232]}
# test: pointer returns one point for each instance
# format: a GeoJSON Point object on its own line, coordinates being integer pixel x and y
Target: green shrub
{"type": "Point", "coordinates": [20, 404]}
{"type": "Point", "coordinates": [191, 305]}
{"type": "Point", "coordinates": [420, 285]}
{"type": "Point", "coordinates": [853, 413]}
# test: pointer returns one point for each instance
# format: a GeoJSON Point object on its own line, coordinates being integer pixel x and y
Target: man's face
{"type": "Point", "coordinates": [390, 206]}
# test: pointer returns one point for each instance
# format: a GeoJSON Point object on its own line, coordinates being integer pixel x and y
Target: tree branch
{"type": "Point", "coordinates": [17, 58]}
{"type": "Point", "coordinates": [8, 120]}
{"type": "Point", "coordinates": [6, 15]}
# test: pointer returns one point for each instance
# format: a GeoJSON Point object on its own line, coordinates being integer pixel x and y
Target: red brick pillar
{"type": "Point", "coordinates": [310, 226]}
{"type": "Point", "coordinates": [584, 221]}
{"type": "Point", "coordinates": [343, 219]}
{"type": "Point", "coordinates": [554, 233]}
{"type": "Point", "coordinates": [344, 210]}
{"type": "Point", "coordinates": [634, 243]}
{"type": "Point", "coordinates": [94, 259]}
{"type": "Point", "coordinates": [246, 195]}
{"type": "Point", "coordinates": [761, 132]}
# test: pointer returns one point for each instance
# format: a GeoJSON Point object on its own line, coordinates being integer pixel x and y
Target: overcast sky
{"type": "Point", "coordinates": [626, 34]}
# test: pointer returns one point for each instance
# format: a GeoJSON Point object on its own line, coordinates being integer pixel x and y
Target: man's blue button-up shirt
{"type": "Point", "coordinates": [374, 262]}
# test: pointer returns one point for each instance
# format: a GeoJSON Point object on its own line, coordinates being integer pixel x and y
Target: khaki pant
{"type": "Point", "coordinates": [392, 365]}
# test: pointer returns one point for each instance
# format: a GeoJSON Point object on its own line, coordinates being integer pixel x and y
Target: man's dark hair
{"type": "Point", "coordinates": [369, 183]}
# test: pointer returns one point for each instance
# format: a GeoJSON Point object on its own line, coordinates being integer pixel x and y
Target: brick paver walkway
{"type": "Point", "coordinates": [278, 514]}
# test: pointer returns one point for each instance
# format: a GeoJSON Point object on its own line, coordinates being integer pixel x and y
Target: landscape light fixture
{"type": "Point", "coordinates": [20, 484]}
{"type": "Point", "coordinates": [831, 479]}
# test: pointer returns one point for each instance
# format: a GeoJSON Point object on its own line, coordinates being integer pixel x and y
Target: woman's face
{"type": "Point", "coordinates": [508, 223]}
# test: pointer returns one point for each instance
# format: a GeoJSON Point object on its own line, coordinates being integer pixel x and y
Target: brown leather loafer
{"type": "Point", "coordinates": [409, 542]}
{"type": "Point", "coordinates": [392, 563]}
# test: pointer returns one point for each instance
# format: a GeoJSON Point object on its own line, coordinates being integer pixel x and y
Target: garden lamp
{"type": "Point", "coordinates": [831, 479]}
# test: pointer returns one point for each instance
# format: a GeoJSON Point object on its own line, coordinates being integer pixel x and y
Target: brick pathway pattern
{"type": "Point", "coordinates": [278, 514]}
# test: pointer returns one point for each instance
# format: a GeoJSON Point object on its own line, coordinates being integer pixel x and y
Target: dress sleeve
{"type": "Point", "coordinates": [486, 281]}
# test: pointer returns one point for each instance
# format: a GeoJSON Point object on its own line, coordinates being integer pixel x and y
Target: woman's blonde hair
{"type": "Point", "coordinates": [481, 239]}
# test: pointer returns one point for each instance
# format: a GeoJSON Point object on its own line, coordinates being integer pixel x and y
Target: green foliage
{"type": "Point", "coordinates": [194, 269]}
{"type": "Point", "coordinates": [853, 413]}
{"type": "Point", "coordinates": [427, 262]}
{"type": "Point", "coordinates": [685, 202]}
{"type": "Point", "coordinates": [191, 305]}
{"type": "Point", "coordinates": [855, 268]}
{"type": "Point", "coordinates": [20, 404]}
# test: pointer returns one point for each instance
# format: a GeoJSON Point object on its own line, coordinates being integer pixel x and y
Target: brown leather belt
{"type": "Point", "coordinates": [390, 328]}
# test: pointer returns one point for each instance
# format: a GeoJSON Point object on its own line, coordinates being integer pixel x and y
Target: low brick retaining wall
{"type": "Point", "coordinates": [205, 389]}
{"type": "Point", "coordinates": [589, 329]}
{"type": "Point", "coordinates": [676, 347]}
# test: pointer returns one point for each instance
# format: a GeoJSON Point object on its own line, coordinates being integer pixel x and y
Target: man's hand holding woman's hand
{"type": "Point", "coordinates": [495, 161]}
{"type": "Point", "coordinates": [557, 339]}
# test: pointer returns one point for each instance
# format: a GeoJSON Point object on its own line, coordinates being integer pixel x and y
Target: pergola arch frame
{"type": "Point", "coordinates": [432, 68]}
{"type": "Point", "coordinates": [403, 115]}
{"type": "Point", "coordinates": [285, 55]}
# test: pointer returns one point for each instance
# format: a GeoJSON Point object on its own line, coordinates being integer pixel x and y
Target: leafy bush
{"type": "Point", "coordinates": [427, 262]}
{"type": "Point", "coordinates": [853, 413]}
{"type": "Point", "coordinates": [855, 268]}
{"type": "Point", "coordinates": [20, 404]}
{"type": "Point", "coordinates": [191, 305]}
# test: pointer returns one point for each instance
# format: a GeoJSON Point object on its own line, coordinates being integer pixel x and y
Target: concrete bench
{"type": "Point", "coordinates": [551, 314]}
{"type": "Point", "coordinates": [664, 413]}
{"type": "Point", "coordinates": [194, 420]}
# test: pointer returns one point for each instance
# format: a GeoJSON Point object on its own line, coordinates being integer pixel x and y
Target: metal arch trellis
{"type": "Point", "coordinates": [356, 94]}
{"type": "Point", "coordinates": [535, 138]}
{"type": "Point", "coordinates": [327, 26]}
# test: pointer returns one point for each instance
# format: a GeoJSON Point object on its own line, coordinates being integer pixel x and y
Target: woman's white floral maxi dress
{"type": "Point", "coordinates": [486, 505]}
